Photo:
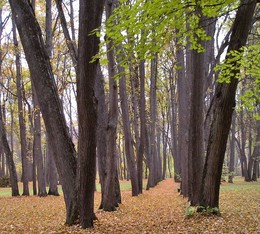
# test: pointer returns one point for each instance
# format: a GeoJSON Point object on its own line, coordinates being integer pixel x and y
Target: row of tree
{"type": "Point", "coordinates": [150, 103]}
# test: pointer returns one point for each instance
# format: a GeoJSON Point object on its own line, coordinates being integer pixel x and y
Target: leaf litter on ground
{"type": "Point", "coordinates": [158, 210]}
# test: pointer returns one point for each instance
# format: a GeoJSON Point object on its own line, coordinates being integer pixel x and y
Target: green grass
{"type": "Point", "coordinates": [6, 192]}
{"type": "Point", "coordinates": [239, 184]}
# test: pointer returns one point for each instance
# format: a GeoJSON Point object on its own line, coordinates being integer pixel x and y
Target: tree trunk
{"type": "Point", "coordinates": [196, 118]}
{"type": "Point", "coordinates": [256, 152]}
{"type": "Point", "coordinates": [174, 120]}
{"type": "Point", "coordinates": [242, 145]}
{"type": "Point", "coordinates": [140, 153]}
{"type": "Point", "coordinates": [22, 126]}
{"type": "Point", "coordinates": [129, 150]}
{"type": "Point", "coordinates": [101, 131]}
{"type": "Point", "coordinates": [110, 203]}
{"type": "Point", "coordinates": [37, 148]}
{"type": "Point", "coordinates": [9, 156]}
{"type": "Point", "coordinates": [152, 180]}
{"type": "Point", "coordinates": [90, 14]}
{"type": "Point", "coordinates": [223, 106]}
{"type": "Point", "coordinates": [183, 110]}
{"type": "Point", "coordinates": [46, 90]}
{"type": "Point", "coordinates": [51, 170]}
{"type": "Point", "coordinates": [70, 43]}
{"type": "Point", "coordinates": [232, 151]}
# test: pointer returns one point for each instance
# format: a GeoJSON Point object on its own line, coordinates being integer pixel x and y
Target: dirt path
{"type": "Point", "coordinates": [159, 210]}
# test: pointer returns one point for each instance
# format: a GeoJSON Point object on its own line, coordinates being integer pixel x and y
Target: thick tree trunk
{"type": "Point", "coordinates": [196, 139]}
{"type": "Point", "coordinates": [223, 106]}
{"type": "Point", "coordinates": [89, 19]}
{"type": "Point", "coordinates": [46, 90]}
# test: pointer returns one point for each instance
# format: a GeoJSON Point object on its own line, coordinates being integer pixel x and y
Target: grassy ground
{"type": "Point", "coordinates": [6, 192]}
{"type": "Point", "coordinates": [159, 210]}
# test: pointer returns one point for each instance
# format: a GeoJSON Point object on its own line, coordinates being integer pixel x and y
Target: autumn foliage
{"type": "Point", "coordinates": [159, 210]}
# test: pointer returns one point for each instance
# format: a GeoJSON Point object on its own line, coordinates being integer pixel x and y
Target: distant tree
{"type": "Point", "coordinates": [22, 123]}
{"type": "Point", "coordinates": [9, 157]}
{"type": "Point", "coordinates": [231, 164]}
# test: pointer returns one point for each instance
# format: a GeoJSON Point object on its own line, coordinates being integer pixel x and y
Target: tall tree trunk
{"type": "Point", "coordinates": [101, 130]}
{"type": "Point", "coordinates": [70, 43]}
{"type": "Point", "coordinates": [232, 151]}
{"type": "Point", "coordinates": [129, 150]}
{"type": "Point", "coordinates": [196, 118]}
{"type": "Point", "coordinates": [51, 170]}
{"type": "Point", "coordinates": [9, 156]}
{"type": "Point", "coordinates": [242, 145]}
{"type": "Point", "coordinates": [22, 125]}
{"type": "Point", "coordinates": [223, 106]}
{"type": "Point", "coordinates": [140, 153]}
{"type": "Point", "coordinates": [256, 152]}
{"type": "Point", "coordinates": [46, 90]}
{"type": "Point", "coordinates": [90, 14]}
{"type": "Point", "coordinates": [183, 110]}
{"type": "Point", "coordinates": [37, 147]}
{"type": "Point", "coordinates": [152, 180]}
{"type": "Point", "coordinates": [110, 203]}
{"type": "Point", "coordinates": [174, 119]}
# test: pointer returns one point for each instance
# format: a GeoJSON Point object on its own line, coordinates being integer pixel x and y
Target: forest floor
{"type": "Point", "coordinates": [159, 210]}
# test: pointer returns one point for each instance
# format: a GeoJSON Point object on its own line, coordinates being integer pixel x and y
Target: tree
{"type": "Point", "coordinates": [223, 106]}
{"type": "Point", "coordinates": [89, 19]}
{"type": "Point", "coordinates": [9, 157]}
{"type": "Point", "coordinates": [49, 102]}
{"type": "Point", "coordinates": [19, 85]}
{"type": "Point", "coordinates": [110, 201]}
{"type": "Point", "coordinates": [131, 165]}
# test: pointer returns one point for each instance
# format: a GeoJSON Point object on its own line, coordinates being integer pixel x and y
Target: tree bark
{"type": "Point", "coordinates": [142, 104]}
{"type": "Point", "coordinates": [90, 14]}
{"type": "Point", "coordinates": [223, 106]}
{"type": "Point", "coordinates": [70, 43]}
{"type": "Point", "coordinates": [37, 147]}
{"type": "Point", "coordinates": [110, 202]}
{"type": "Point", "coordinates": [129, 150]}
{"type": "Point", "coordinates": [101, 131]}
{"type": "Point", "coordinates": [152, 180]}
{"type": "Point", "coordinates": [25, 163]}
{"type": "Point", "coordinates": [183, 110]}
{"type": "Point", "coordinates": [231, 165]}
{"type": "Point", "coordinates": [196, 139]}
{"type": "Point", "coordinates": [46, 90]}
{"type": "Point", "coordinates": [51, 170]}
